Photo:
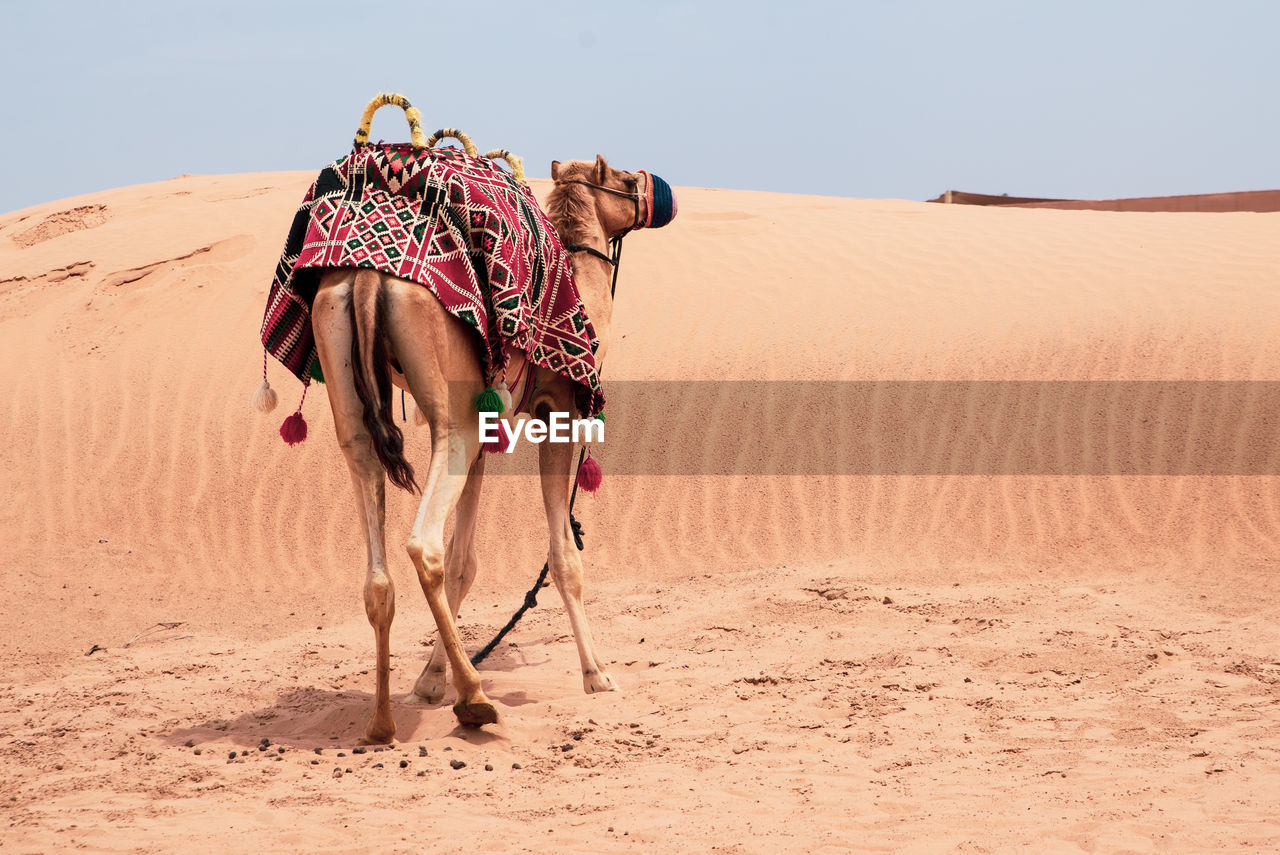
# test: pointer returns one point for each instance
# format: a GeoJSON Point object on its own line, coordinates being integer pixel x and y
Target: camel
{"type": "Point", "coordinates": [366, 326]}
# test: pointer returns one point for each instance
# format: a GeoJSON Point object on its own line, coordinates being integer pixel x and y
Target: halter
{"type": "Point", "coordinates": [615, 243]}
{"type": "Point", "coordinates": [635, 197]}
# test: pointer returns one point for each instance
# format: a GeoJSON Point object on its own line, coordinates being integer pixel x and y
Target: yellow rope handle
{"type": "Point", "coordinates": [515, 161]}
{"type": "Point", "coordinates": [411, 113]}
{"type": "Point", "coordinates": [457, 135]}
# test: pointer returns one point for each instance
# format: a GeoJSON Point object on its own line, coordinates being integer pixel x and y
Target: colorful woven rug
{"type": "Point", "coordinates": [455, 224]}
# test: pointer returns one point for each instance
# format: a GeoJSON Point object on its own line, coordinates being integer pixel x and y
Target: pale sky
{"type": "Point", "coordinates": [869, 99]}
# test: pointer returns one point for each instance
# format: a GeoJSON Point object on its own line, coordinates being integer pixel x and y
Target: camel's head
{"type": "Point", "coordinates": [623, 201]}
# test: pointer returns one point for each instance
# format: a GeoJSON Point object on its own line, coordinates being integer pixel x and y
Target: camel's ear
{"type": "Point", "coordinates": [555, 170]}
{"type": "Point", "coordinates": [602, 169]}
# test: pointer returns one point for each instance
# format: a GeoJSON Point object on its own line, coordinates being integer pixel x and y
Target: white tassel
{"type": "Point", "coordinates": [501, 388]}
{"type": "Point", "coordinates": [264, 399]}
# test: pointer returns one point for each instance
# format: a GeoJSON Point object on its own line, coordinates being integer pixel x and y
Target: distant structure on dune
{"type": "Point", "coordinates": [1260, 201]}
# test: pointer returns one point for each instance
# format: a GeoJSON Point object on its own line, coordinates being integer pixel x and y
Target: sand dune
{"type": "Point", "coordinates": [1112, 627]}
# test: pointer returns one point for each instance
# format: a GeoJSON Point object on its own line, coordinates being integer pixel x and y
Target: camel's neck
{"type": "Point", "coordinates": [576, 221]}
{"type": "Point", "coordinates": [594, 278]}
{"type": "Point", "coordinates": [583, 231]}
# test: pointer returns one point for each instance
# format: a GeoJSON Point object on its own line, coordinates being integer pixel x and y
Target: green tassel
{"type": "Point", "coordinates": [600, 415]}
{"type": "Point", "coordinates": [489, 401]}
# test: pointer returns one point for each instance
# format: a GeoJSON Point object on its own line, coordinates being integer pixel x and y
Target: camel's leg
{"type": "Point", "coordinates": [426, 549]}
{"type": "Point", "coordinates": [554, 464]}
{"type": "Point", "coordinates": [333, 332]}
{"type": "Point", "coordinates": [460, 572]}
{"type": "Point", "coordinates": [438, 357]}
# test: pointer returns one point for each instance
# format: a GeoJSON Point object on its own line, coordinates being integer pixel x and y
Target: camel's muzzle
{"type": "Point", "coordinates": [659, 203]}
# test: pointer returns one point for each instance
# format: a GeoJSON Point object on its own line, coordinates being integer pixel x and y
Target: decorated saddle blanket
{"type": "Point", "coordinates": [455, 224]}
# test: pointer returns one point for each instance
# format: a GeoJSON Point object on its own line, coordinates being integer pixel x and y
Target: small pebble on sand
{"type": "Point", "coordinates": [404, 764]}
{"type": "Point", "coordinates": [457, 764]}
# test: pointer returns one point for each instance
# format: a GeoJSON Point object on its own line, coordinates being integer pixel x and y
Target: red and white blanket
{"type": "Point", "coordinates": [455, 224]}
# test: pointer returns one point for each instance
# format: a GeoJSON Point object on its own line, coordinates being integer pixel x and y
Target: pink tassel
{"type": "Point", "coordinates": [589, 475]}
{"type": "Point", "coordinates": [503, 441]}
{"type": "Point", "coordinates": [294, 429]}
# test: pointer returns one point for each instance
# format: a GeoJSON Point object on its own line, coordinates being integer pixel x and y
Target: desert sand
{"type": "Point", "coordinates": [961, 660]}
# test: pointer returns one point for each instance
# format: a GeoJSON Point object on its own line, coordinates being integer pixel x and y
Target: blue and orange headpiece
{"type": "Point", "coordinates": [659, 203]}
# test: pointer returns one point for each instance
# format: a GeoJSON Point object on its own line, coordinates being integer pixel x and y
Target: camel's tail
{"type": "Point", "coordinates": [369, 359]}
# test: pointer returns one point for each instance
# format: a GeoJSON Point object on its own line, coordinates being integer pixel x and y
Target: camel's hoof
{"type": "Point", "coordinates": [475, 714]}
{"type": "Point", "coordinates": [432, 699]}
{"type": "Point", "coordinates": [600, 681]}
{"type": "Point", "coordinates": [377, 736]}
{"type": "Point", "coordinates": [430, 687]}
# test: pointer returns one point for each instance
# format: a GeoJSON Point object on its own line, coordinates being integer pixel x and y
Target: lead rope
{"type": "Point", "coordinates": [531, 598]}
{"type": "Point", "coordinates": [617, 261]}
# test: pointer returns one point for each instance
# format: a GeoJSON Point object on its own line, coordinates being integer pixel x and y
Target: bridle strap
{"type": "Point", "coordinates": [578, 247]}
{"type": "Point", "coordinates": [615, 244]}
{"type": "Point", "coordinates": [635, 196]}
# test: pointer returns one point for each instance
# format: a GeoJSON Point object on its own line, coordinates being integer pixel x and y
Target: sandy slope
{"type": "Point", "coordinates": [1064, 663]}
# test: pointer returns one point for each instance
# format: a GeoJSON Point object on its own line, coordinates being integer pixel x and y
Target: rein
{"type": "Point", "coordinates": [589, 250]}
{"type": "Point", "coordinates": [531, 596]}
{"type": "Point", "coordinates": [615, 246]}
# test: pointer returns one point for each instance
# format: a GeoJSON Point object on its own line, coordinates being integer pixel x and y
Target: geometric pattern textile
{"type": "Point", "coordinates": [454, 224]}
